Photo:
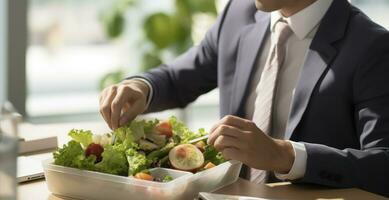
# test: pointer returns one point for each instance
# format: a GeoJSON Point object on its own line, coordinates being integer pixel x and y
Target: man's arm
{"type": "Point", "coordinates": [194, 73]}
{"type": "Point", "coordinates": [367, 167]}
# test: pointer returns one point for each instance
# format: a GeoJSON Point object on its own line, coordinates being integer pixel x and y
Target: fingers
{"type": "Point", "coordinates": [232, 154]}
{"type": "Point", "coordinates": [131, 112]}
{"type": "Point", "coordinates": [120, 104]}
{"type": "Point", "coordinates": [105, 104]}
{"type": "Point", "coordinates": [223, 130]}
{"type": "Point", "coordinates": [224, 141]}
{"type": "Point", "coordinates": [233, 121]}
{"type": "Point", "coordinates": [228, 118]}
{"type": "Point", "coordinates": [123, 117]}
{"type": "Point", "coordinates": [122, 96]}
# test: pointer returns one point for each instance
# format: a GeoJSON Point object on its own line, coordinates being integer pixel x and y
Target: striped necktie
{"type": "Point", "coordinates": [266, 87]}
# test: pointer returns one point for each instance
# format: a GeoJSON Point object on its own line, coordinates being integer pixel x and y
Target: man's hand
{"type": "Point", "coordinates": [240, 139]}
{"type": "Point", "coordinates": [121, 103]}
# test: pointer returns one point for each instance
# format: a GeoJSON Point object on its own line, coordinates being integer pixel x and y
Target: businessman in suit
{"type": "Point", "coordinates": [304, 91]}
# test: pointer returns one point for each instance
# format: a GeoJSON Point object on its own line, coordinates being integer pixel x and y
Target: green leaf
{"type": "Point", "coordinates": [206, 6]}
{"type": "Point", "coordinates": [212, 155]}
{"type": "Point", "coordinates": [72, 155]}
{"type": "Point", "coordinates": [184, 10]}
{"type": "Point", "coordinates": [167, 178]}
{"type": "Point", "coordinates": [202, 132]}
{"type": "Point", "coordinates": [131, 132]}
{"type": "Point", "coordinates": [137, 162]}
{"type": "Point", "coordinates": [114, 161]}
{"type": "Point", "coordinates": [111, 79]}
{"type": "Point", "coordinates": [190, 7]}
{"type": "Point", "coordinates": [150, 60]}
{"type": "Point", "coordinates": [113, 22]}
{"type": "Point", "coordinates": [150, 125]}
{"type": "Point", "coordinates": [124, 136]}
{"type": "Point", "coordinates": [180, 129]}
{"type": "Point", "coordinates": [161, 29]}
{"type": "Point", "coordinates": [126, 4]}
{"type": "Point", "coordinates": [84, 137]}
{"type": "Point", "coordinates": [136, 128]}
{"type": "Point", "coordinates": [178, 27]}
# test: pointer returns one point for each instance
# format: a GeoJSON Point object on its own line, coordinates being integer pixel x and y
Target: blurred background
{"type": "Point", "coordinates": [57, 55]}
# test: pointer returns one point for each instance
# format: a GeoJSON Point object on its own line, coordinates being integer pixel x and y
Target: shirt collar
{"type": "Point", "coordinates": [305, 21]}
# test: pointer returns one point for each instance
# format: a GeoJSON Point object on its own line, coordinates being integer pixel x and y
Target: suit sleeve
{"type": "Point", "coordinates": [367, 167]}
{"type": "Point", "coordinates": [190, 75]}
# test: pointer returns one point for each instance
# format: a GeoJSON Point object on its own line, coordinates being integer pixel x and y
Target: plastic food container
{"type": "Point", "coordinates": [82, 184]}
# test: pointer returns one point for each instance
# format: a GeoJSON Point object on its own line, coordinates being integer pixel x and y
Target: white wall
{"type": "Point", "coordinates": [3, 47]}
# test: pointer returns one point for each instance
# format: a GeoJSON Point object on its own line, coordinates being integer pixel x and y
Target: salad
{"type": "Point", "coordinates": [137, 147]}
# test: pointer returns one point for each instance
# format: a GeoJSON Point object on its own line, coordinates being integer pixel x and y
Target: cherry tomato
{"type": "Point", "coordinates": [164, 128]}
{"type": "Point", "coordinates": [94, 149]}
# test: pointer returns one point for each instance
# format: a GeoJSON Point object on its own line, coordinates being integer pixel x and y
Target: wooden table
{"type": "Point", "coordinates": [37, 190]}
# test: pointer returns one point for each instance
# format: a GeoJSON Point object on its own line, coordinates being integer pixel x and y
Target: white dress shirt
{"type": "Point", "coordinates": [304, 25]}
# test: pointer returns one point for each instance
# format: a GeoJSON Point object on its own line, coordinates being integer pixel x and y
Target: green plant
{"type": "Point", "coordinates": [166, 32]}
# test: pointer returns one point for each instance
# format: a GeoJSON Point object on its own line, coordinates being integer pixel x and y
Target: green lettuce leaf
{"type": "Point", "coordinates": [212, 155]}
{"type": "Point", "coordinates": [180, 129]}
{"type": "Point", "coordinates": [121, 135]}
{"type": "Point", "coordinates": [167, 178]}
{"type": "Point", "coordinates": [81, 136]}
{"type": "Point", "coordinates": [150, 125]}
{"type": "Point", "coordinates": [131, 133]}
{"type": "Point", "coordinates": [72, 155]}
{"type": "Point", "coordinates": [137, 162]}
{"type": "Point", "coordinates": [114, 161]}
{"type": "Point", "coordinates": [137, 129]}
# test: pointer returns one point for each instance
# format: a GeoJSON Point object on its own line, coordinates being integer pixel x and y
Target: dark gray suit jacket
{"type": "Point", "coordinates": [340, 109]}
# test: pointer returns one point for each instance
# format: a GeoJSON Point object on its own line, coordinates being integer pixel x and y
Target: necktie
{"type": "Point", "coordinates": [267, 85]}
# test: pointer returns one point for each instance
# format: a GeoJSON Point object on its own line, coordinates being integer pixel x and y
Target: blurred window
{"type": "Point", "coordinates": [67, 56]}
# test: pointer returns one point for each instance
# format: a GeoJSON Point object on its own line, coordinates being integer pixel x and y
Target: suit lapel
{"type": "Point", "coordinates": [251, 40]}
{"type": "Point", "coordinates": [311, 72]}
{"type": "Point", "coordinates": [319, 57]}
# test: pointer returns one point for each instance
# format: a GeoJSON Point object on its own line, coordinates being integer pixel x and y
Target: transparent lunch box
{"type": "Point", "coordinates": [82, 184]}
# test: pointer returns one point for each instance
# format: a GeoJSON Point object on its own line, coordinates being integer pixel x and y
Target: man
{"type": "Point", "coordinates": [303, 91]}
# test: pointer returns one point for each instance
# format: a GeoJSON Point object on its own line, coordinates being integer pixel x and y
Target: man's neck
{"type": "Point", "coordinates": [295, 7]}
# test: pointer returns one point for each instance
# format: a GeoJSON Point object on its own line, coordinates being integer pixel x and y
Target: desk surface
{"type": "Point", "coordinates": [37, 190]}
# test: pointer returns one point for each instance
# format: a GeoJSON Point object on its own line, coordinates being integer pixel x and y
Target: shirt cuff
{"type": "Point", "coordinates": [150, 96]}
{"type": "Point", "coordinates": [299, 164]}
